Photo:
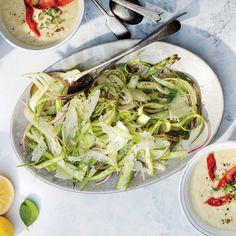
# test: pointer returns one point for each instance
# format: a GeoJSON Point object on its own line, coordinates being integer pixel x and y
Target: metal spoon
{"type": "Point", "coordinates": [114, 24]}
{"type": "Point", "coordinates": [84, 82]}
{"type": "Point", "coordinates": [129, 16]}
{"type": "Point", "coordinates": [125, 14]}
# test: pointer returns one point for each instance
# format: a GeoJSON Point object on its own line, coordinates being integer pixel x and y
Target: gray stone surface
{"type": "Point", "coordinates": [209, 30]}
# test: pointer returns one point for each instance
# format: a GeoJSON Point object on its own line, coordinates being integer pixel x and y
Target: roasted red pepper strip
{"type": "Point", "coordinates": [229, 177]}
{"type": "Point", "coordinates": [219, 201]}
{"type": "Point", "coordinates": [211, 166]}
{"type": "Point", "coordinates": [29, 18]}
{"type": "Point", "coordinates": [43, 4]}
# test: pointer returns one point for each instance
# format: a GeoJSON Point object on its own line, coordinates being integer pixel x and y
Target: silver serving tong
{"type": "Point", "coordinates": [84, 81]}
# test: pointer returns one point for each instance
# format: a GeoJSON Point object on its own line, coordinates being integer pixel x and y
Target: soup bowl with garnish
{"type": "Point", "coordinates": [39, 24]}
{"type": "Point", "coordinates": [207, 191]}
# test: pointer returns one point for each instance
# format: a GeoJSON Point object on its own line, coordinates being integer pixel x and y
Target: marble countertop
{"type": "Point", "coordinates": [209, 30]}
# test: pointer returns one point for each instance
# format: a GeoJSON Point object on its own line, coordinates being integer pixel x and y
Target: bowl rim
{"type": "Point", "coordinates": [45, 48]}
{"type": "Point", "coordinates": [184, 198]}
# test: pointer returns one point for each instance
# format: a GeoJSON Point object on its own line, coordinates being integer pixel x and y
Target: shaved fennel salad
{"type": "Point", "coordinates": [131, 122]}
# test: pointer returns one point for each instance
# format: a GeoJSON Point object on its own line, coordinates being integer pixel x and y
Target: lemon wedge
{"type": "Point", "coordinates": [6, 194]}
{"type": "Point", "coordinates": [6, 227]}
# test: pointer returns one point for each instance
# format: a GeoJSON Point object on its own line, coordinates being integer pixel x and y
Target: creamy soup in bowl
{"type": "Point", "coordinates": [207, 190]}
{"type": "Point", "coordinates": [39, 24]}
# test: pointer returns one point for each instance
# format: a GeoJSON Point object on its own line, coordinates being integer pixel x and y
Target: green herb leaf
{"type": "Point", "coordinates": [28, 212]}
{"type": "Point", "coordinates": [214, 188]}
{"type": "Point", "coordinates": [41, 16]}
{"type": "Point", "coordinates": [230, 188]}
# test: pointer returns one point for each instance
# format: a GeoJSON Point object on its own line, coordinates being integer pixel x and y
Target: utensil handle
{"type": "Point", "coordinates": [114, 24]}
{"type": "Point", "coordinates": [153, 15]}
{"type": "Point", "coordinates": [101, 8]}
{"type": "Point", "coordinates": [163, 31]}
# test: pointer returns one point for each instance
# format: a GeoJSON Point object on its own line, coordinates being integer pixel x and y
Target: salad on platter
{"type": "Point", "coordinates": [136, 118]}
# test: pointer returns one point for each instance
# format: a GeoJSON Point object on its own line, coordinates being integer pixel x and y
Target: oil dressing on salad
{"type": "Point", "coordinates": [213, 189]}
{"type": "Point", "coordinates": [133, 121]}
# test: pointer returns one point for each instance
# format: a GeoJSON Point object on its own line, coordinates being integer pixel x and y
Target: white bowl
{"type": "Point", "coordinates": [184, 197]}
{"type": "Point", "coordinates": [19, 44]}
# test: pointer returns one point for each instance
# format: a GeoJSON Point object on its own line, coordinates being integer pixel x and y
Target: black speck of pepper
{"type": "Point", "coordinates": [227, 221]}
{"type": "Point", "coordinates": [59, 29]}
{"type": "Point", "coordinates": [14, 14]}
{"type": "Point", "coordinates": [227, 209]}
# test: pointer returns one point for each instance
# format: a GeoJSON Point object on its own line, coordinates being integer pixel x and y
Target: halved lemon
{"type": "Point", "coordinates": [6, 227]}
{"type": "Point", "coordinates": [6, 194]}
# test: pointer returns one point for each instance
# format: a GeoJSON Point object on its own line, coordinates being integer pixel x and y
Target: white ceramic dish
{"type": "Point", "coordinates": [184, 197]}
{"type": "Point", "coordinates": [189, 63]}
{"type": "Point", "coordinates": [20, 44]}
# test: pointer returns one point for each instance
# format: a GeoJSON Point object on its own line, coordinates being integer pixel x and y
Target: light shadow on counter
{"type": "Point", "coordinates": [5, 48]}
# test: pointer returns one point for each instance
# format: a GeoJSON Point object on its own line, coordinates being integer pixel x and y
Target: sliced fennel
{"type": "Point", "coordinates": [131, 122]}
